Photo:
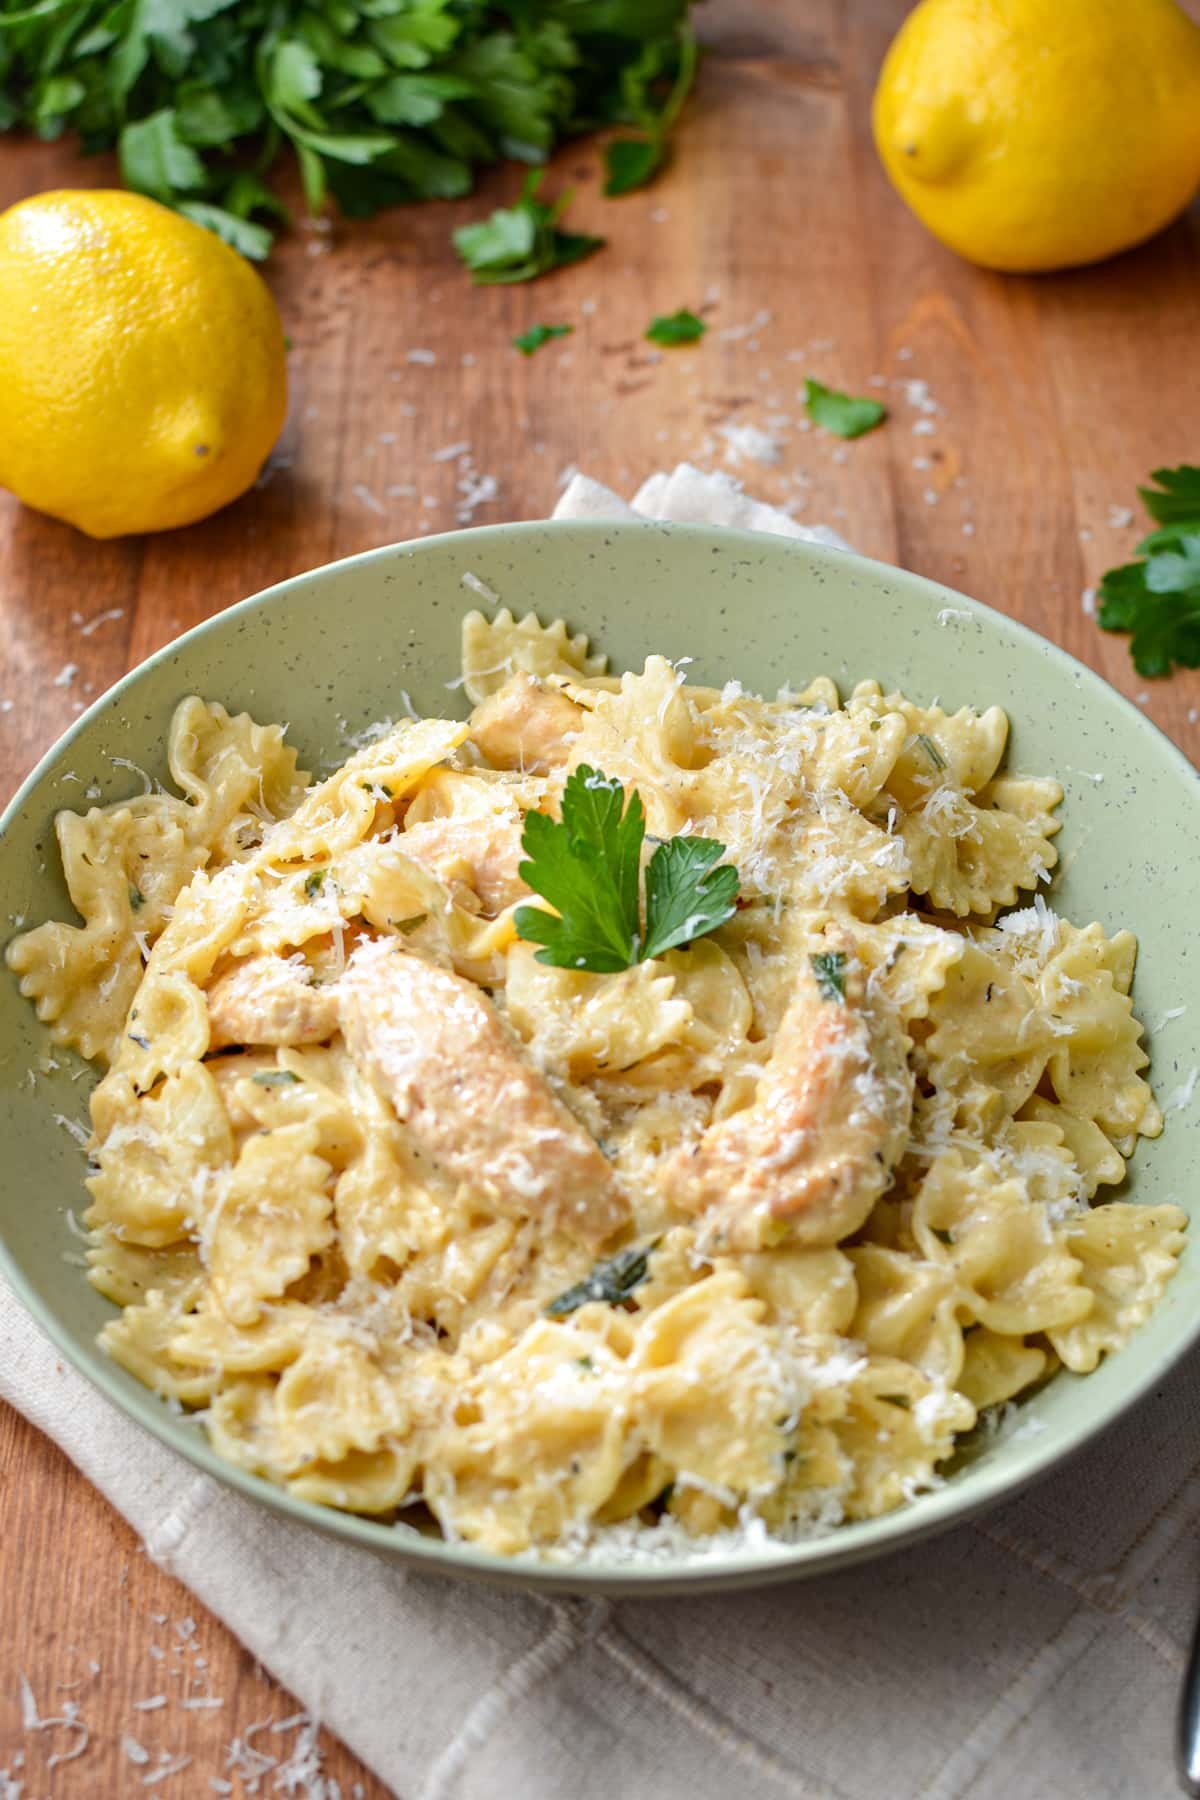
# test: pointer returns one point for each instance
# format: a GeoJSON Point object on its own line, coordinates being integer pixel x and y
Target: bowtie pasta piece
{"type": "Point", "coordinates": [894, 1426]}
{"type": "Point", "coordinates": [495, 649]}
{"type": "Point", "coordinates": [542, 1436]}
{"type": "Point", "coordinates": [123, 868]}
{"type": "Point", "coordinates": [973, 855]}
{"type": "Point", "coordinates": [576, 1025]}
{"type": "Point", "coordinates": [1015, 1274]}
{"type": "Point", "coordinates": [157, 1157]}
{"type": "Point", "coordinates": [1127, 1255]}
{"type": "Point", "coordinates": [126, 864]}
{"type": "Point", "coordinates": [908, 1308]}
{"type": "Point", "coordinates": [266, 1221]}
{"type": "Point", "coordinates": [343, 810]}
{"type": "Point", "coordinates": [996, 1367]}
{"type": "Point", "coordinates": [126, 1273]}
{"type": "Point", "coordinates": [238, 777]}
{"type": "Point", "coordinates": [141, 1340]}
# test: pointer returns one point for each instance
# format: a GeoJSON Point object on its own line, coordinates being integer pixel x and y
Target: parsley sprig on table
{"type": "Point", "coordinates": [531, 341]}
{"type": "Point", "coordinates": [845, 415]}
{"type": "Point", "coordinates": [380, 102]}
{"type": "Point", "coordinates": [1157, 599]}
{"type": "Point", "coordinates": [669, 329]}
{"type": "Point", "coordinates": [588, 866]}
{"type": "Point", "coordinates": [522, 241]}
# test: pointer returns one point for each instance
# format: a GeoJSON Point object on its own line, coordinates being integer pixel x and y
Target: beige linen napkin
{"type": "Point", "coordinates": [1035, 1653]}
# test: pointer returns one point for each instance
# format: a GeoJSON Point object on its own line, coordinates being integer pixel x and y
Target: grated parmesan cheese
{"type": "Point", "coordinates": [742, 441]}
{"type": "Point", "coordinates": [477, 585]}
{"type": "Point", "coordinates": [1184, 1094]}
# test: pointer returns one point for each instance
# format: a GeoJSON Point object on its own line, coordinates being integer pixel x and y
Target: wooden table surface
{"type": "Point", "coordinates": [1023, 413]}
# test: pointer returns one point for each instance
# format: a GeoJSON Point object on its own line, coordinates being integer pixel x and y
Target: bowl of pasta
{"type": "Point", "coordinates": [639, 1083]}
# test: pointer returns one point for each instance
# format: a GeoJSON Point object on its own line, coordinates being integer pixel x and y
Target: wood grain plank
{"type": "Point", "coordinates": [1037, 407]}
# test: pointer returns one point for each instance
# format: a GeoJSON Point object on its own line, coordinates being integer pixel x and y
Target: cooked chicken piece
{"type": "Point", "coordinates": [267, 1000]}
{"type": "Point", "coordinates": [434, 1044]}
{"type": "Point", "coordinates": [482, 850]}
{"type": "Point", "coordinates": [525, 725]}
{"type": "Point", "coordinates": [808, 1158]}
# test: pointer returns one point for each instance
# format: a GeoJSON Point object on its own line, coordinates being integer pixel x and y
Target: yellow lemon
{"type": "Point", "coordinates": [1037, 134]}
{"type": "Point", "coordinates": [143, 376]}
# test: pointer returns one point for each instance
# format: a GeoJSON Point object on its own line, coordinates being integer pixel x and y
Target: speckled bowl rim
{"type": "Point", "coordinates": [846, 1545]}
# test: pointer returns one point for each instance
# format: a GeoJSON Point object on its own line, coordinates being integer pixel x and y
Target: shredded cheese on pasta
{"type": "Point", "coordinates": [743, 1237]}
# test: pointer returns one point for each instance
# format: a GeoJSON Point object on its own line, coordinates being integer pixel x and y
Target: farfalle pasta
{"type": "Point", "coordinates": [752, 1229]}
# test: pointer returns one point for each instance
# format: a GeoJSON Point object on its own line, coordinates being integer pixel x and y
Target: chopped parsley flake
{"type": "Point", "coordinates": [612, 1281]}
{"type": "Point", "coordinates": [670, 329]}
{"type": "Point", "coordinates": [843, 415]}
{"type": "Point", "coordinates": [829, 972]}
{"type": "Point", "coordinates": [537, 335]}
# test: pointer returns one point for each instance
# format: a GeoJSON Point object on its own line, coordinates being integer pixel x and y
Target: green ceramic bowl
{"type": "Point", "coordinates": [336, 647]}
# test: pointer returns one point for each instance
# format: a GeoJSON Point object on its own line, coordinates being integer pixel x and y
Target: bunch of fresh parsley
{"type": "Point", "coordinates": [381, 101]}
{"type": "Point", "coordinates": [1158, 598]}
{"type": "Point", "coordinates": [588, 866]}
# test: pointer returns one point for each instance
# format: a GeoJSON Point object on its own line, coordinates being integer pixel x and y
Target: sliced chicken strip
{"type": "Point", "coordinates": [481, 849]}
{"type": "Point", "coordinates": [267, 1000]}
{"type": "Point", "coordinates": [435, 1045]}
{"type": "Point", "coordinates": [807, 1160]}
{"type": "Point", "coordinates": [526, 725]}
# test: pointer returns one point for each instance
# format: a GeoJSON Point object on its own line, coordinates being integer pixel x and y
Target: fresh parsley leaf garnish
{"type": "Point", "coordinates": [313, 883]}
{"type": "Point", "coordinates": [685, 895]}
{"type": "Point", "coordinates": [537, 335]}
{"type": "Point", "coordinates": [682, 327]}
{"type": "Point", "coordinates": [521, 242]}
{"type": "Point", "coordinates": [829, 973]}
{"type": "Point", "coordinates": [1157, 599]}
{"type": "Point", "coordinates": [931, 750]}
{"type": "Point", "coordinates": [379, 104]}
{"type": "Point", "coordinates": [275, 1078]}
{"type": "Point", "coordinates": [845, 415]}
{"type": "Point", "coordinates": [588, 867]}
{"type": "Point", "coordinates": [612, 1281]}
{"type": "Point", "coordinates": [406, 927]}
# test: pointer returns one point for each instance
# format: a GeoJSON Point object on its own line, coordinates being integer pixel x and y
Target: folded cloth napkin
{"type": "Point", "coordinates": [1036, 1652]}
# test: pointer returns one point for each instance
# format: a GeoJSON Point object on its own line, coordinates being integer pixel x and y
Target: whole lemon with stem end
{"type": "Point", "coordinates": [1040, 134]}
{"type": "Point", "coordinates": [143, 373]}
